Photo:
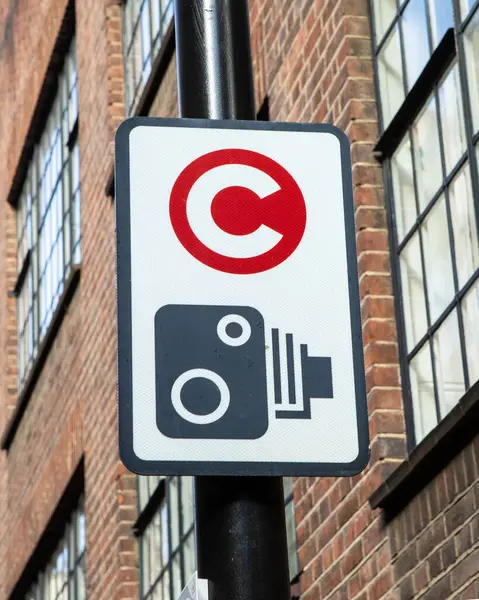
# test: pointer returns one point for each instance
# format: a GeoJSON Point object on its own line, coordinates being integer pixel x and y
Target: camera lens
{"type": "Point", "coordinates": [234, 330]}
{"type": "Point", "coordinates": [203, 419]}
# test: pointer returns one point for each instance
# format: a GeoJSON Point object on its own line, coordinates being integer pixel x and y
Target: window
{"type": "Point", "coordinates": [433, 195]}
{"type": "Point", "coordinates": [145, 23]}
{"type": "Point", "coordinates": [166, 530]}
{"type": "Point", "coordinates": [167, 545]}
{"type": "Point", "coordinates": [48, 219]}
{"type": "Point", "coordinates": [291, 529]}
{"type": "Point", "coordinates": [64, 576]}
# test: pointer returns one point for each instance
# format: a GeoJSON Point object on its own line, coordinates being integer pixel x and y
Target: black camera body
{"type": "Point", "coordinates": [210, 372]}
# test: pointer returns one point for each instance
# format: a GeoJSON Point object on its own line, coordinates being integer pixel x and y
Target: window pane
{"type": "Point", "coordinates": [155, 21]}
{"type": "Point", "coordinates": [145, 41]}
{"type": "Point", "coordinates": [156, 557]}
{"type": "Point", "coordinates": [174, 503]}
{"type": "Point", "coordinates": [422, 390]}
{"type": "Point", "coordinates": [470, 312]}
{"type": "Point", "coordinates": [64, 575]}
{"type": "Point", "coordinates": [437, 260]}
{"type": "Point", "coordinates": [414, 301]}
{"type": "Point", "coordinates": [144, 24]}
{"type": "Point", "coordinates": [187, 502]}
{"type": "Point", "coordinates": [189, 557]}
{"type": "Point", "coordinates": [145, 560]}
{"type": "Point", "coordinates": [176, 576]}
{"type": "Point", "coordinates": [441, 19]}
{"type": "Point", "coordinates": [165, 541]}
{"type": "Point", "coordinates": [471, 45]}
{"type": "Point", "coordinates": [390, 77]}
{"type": "Point", "coordinates": [427, 156]}
{"type": "Point", "coordinates": [448, 361]}
{"type": "Point", "coordinates": [384, 13]}
{"type": "Point", "coordinates": [403, 183]}
{"type": "Point", "coordinates": [466, 6]}
{"type": "Point", "coordinates": [42, 214]}
{"type": "Point", "coordinates": [452, 120]}
{"type": "Point", "coordinates": [464, 225]}
{"type": "Point", "coordinates": [81, 593]}
{"type": "Point", "coordinates": [287, 487]}
{"type": "Point", "coordinates": [415, 36]}
{"type": "Point", "coordinates": [142, 492]}
{"type": "Point", "coordinates": [291, 539]}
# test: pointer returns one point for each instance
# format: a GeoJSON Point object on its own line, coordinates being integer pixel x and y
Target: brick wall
{"type": "Point", "coordinates": [72, 411]}
{"type": "Point", "coordinates": [435, 540]}
{"type": "Point", "coordinates": [312, 59]}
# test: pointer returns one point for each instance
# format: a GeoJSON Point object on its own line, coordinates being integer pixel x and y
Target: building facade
{"type": "Point", "coordinates": [401, 78]}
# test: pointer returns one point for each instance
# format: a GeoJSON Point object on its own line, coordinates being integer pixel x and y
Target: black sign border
{"type": "Point", "coordinates": [124, 322]}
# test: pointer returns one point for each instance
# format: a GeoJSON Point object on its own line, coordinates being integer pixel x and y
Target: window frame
{"type": "Point", "coordinates": [157, 42]}
{"type": "Point", "coordinates": [71, 502]}
{"type": "Point", "coordinates": [31, 267]}
{"type": "Point", "coordinates": [146, 514]}
{"type": "Point", "coordinates": [69, 537]}
{"type": "Point", "coordinates": [449, 50]}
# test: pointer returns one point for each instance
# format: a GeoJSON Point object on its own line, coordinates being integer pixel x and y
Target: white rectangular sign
{"type": "Point", "coordinates": [239, 334]}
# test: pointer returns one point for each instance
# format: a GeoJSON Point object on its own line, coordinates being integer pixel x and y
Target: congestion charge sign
{"type": "Point", "coordinates": [239, 335]}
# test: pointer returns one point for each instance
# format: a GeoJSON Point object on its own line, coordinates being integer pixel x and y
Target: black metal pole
{"type": "Point", "coordinates": [240, 522]}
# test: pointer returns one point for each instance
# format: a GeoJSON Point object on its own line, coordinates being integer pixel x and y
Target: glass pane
{"type": "Point", "coordinates": [165, 545]}
{"type": "Point", "coordinates": [176, 576]}
{"type": "Point", "coordinates": [189, 557]}
{"type": "Point", "coordinates": [165, 586]}
{"type": "Point", "coordinates": [187, 502]}
{"type": "Point", "coordinates": [452, 119]}
{"type": "Point", "coordinates": [142, 491]}
{"type": "Point", "coordinates": [466, 6]}
{"type": "Point", "coordinates": [422, 390]}
{"type": "Point", "coordinates": [174, 504]}
{"type": "Point", "coordinates": [427, 156]}
{"type": "Point", "coordinates": [416, 47]}
{"type": "Point", "coordinates": [155, 545]}
{"type": "Point", "coordinates": [145, 560]}
{"type": "Point", "coordinates": [390, 77]}
{"type": "Point", "coordinates": [291, 539]}
{"type": "Point", "coordinates": [81, 593]}
{"type": "Point", "coordinates": [384, 13]}
{"type": "Point", "coordinates": [414, 300]}
{"type": "Point", "coordinates": [81, 532]}
{"type": "Point", "coordinates": [470, 313]}
{"type": "Point", "coordinates": [167, 13]}
{"type": "Point", "coordinates": [437, 260]}
{"type": "Point", "coordinates": [441, 19]}
{"type": "Point", "coordinates": [403, 184]}
{"type": "Point", "coordinates": [471, 46]}
{"type": "Point", "coordinates": [287, 487]}
{"type": "Point", "coordinates": [136, 53]}
{"type": "Point", "coordinates": [145, 41]}
{"type": "Point", "coordinates": [464, 224]}
{"type": "Point", "coordinates": [155, 20]}
{"type": "Point", "coordinates": [448, 361]}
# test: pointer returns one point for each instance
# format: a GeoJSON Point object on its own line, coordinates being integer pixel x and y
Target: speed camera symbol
{"type": "Point", "coordinates": [239, 229]}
